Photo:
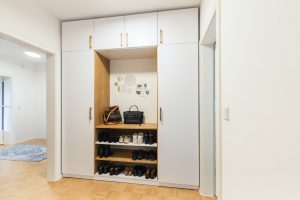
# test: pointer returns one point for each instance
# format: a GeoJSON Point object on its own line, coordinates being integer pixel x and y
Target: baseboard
{"type": "Point", "coordinates": [174, 185]}
{"type": "Point", "coordinates": [78, 176]}
{"type": "Point", "coordinates": [56, 178]}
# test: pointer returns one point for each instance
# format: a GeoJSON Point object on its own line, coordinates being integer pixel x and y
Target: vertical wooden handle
{"type": "Point", "coordinates": [121, 36]}
{"type": "Point", "coordinates": [161, 36]}
{"type": "Point", "coordinates": [90, 41]}
{"type": "Point", "coordinates": [126, 39]}
{"type": "Point", "coordinates": [160, 114]}
{"type": "Point", "coordinates": [90, 113]}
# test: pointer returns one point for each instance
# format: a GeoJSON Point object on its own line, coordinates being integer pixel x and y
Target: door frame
{"type": "Point", "coordinates": [53, 101]}
{"type": "Point", "coordinates": [210, 180]}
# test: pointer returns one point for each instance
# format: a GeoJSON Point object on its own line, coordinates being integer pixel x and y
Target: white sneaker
{"type": "Point", "coordinates": [135, 138]}
{"type": "Point", "coordinates": [121, 139]}
{"type": "Point", "coordinates": [140, 138]}
{"type": "Point", "coordinates": [127, 139]}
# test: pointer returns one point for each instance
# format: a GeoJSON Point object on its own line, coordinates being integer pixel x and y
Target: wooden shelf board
{"type": "Point", "coordinates": [147, 126]}
{"type": "Point", "coordinates": [125, 156]}
{"type": "Point", "coordinates": [129, 144]}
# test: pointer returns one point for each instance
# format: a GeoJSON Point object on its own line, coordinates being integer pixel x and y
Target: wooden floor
{"type": "Point", "coordinates": [26, 181]}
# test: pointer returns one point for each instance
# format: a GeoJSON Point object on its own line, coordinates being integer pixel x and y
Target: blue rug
{"type": "Point", "coordinates": [21, 152]}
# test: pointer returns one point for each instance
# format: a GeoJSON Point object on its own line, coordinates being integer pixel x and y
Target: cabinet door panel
{"type": "Point", "coordinates": [76, 35]}
{"type": "Point", "coordinates": [178, 107]}
{"type": "Point", "coordinates": [141, 30]}
{"type": "Point", "coordinates": [77, 98]}
{"type": "Point", "coordinates": [109, 33]}
{"type": "Point", "coordinates": [178, 26]}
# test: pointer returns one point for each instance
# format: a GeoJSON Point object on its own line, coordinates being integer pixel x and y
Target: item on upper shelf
{"type": "Point", "coordinates": [112, 115]}
{"type": "Point", "coordinates": [134, 155]}
{"type": "Point", "coordinates": [152, 138]}
{"type": "Point", "coordinates": [140, 139]}
{"type": "Point", "coordinates": [103, 137]}
{"type": "Point", "coordinates": [133, 117]}
{"type": "Point", "coordinates": [135, 138]}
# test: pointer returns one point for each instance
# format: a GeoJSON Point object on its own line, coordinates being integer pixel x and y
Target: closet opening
{"type": "Point", "coordinates": [126, 78]}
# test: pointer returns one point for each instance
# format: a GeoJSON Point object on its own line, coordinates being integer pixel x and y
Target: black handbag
{"type": "Point", "coordinates": [133, 117]}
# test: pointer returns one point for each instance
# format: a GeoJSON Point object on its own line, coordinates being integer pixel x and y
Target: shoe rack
{"type": "Point", "coordinates": [122, 153]}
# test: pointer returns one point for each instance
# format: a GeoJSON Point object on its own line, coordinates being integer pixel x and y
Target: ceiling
{"type": "Point", "coordinates": [15, 52]}
{"type": "Point", "coordinates": [81, 9]}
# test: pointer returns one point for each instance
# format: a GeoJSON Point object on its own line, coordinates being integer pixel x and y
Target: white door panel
{"type": "Point", "coordinates": [109, 33]}
{"type": "Point", "coordinates": [178, 26]}
{"type": "Point", "coordinates": [141, 30]}
{"type": "Point", "coordinates": [77, 98]}
{"type": "Point", "coordinates": [178, 100]}
{"type": "Point", "coordinates": [76, 35]}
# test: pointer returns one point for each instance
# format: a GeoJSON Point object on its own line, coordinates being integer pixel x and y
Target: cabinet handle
{"type": "Point", "coordinates": [126, 39]}
{"type": "Point", "coordinates": [90, 41]}
{"type": "Point", "coordinates": [90, 113]}
{"type": "Point", "coordinates": [121, 36]}
{"type": "Point", "coordinates": [160, 114]}
{"type": "Point", "coordinates": [161, 36]}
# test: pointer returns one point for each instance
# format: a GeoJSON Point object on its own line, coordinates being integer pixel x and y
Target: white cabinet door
{"type": "Point", "coordinates": [141, 30]}
{"type": "Point", "coordinates": [109, 33]}
{"type": "Point", "coordinates": [77, 100]}
{"type": "Point", "coordinates": [178, 151]}
{"type": "Point", "coordinates": [178, 26]}
{"type": "Point", "coordinates": [76, 35]}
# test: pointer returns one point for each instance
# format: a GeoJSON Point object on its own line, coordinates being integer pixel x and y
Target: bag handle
{"type": "Point", "coordinates": [134, 106]}
{"type": "Point", "coordinates": [114, 108]}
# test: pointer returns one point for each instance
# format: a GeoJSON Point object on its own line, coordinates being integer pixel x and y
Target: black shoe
{"type": "Point", "coordinates": [152, 155]}
{"type": "Point", "coordinates": [153, 173]}
{"type": "Point", "coordinates": [147, 155]}
{"type": "Point", "coordinates": [112, 171]}
{"type": "Point", "coordinates": [101, 151]}
{"type": "Point", "coordinates": [146, 137]}
{"type": "Point", "coordinates": [151, 139]}
{"type": "Point", "coordinates": [140, 155]}
{"type": "Point", "coordinates": [134, 155]}
{"type": "Point", "coordinates": [107, 151]}
{"type": "Point", "coordinates": [119, 169]}
{"type": "Point", "coordinates": [135, 171]}
{"type": "Point", "coordinates": [103, 137]}
{"type": "Point", "coordinates": [100, 169]}
{"type": "Point", "coordinates": [106, 168]}
{"type": "Point", "coordinates": [141, 171]}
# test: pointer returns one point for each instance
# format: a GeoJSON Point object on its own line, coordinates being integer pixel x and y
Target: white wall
{"type": "Point", "coordinates": [28, 22]}
{"type": "Point", "coordinates": [28, 99]}
{"type": "Point", "coordinates": [260, 50]}
{"type": "Point", "coordinates": [144, 70]}
{"type": "Point", "coordinates": [207, 11]}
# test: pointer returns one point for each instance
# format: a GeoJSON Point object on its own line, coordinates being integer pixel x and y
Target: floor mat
{"type": "Point", "coordinates": [22, 152]}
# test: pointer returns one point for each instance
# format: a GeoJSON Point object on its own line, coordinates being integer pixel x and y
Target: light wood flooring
{"type": "Point", "coordinates": [26, 181]}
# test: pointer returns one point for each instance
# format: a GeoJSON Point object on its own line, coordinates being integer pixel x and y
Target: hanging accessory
{"type": "Point", "coordinates": [133, 117]}
{"type": "Point", "coordinates": [112, 115]}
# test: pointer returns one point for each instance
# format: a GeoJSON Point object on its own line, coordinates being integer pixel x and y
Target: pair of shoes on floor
{"type": "Point", "coordinates": [149, 138]}
{"type": "Point", "coordinates": [151, 173]}
{"type": "Point", "coordinates": [116, 170]}
{"type": "Point", "coordinates": [139, 170]}
{"type": "Point", "coordinates": [104, 151]}
{"type": "Point", "coordinates": [142, 154]}
{"type": "Point", "coordinates": [138, 138]}
{"type": "Point", "coordinates": [104, 169]}
{"type": "Point", "coordinates": [128, 171]}
{"type": "Point", "coordinates": [125, 139]}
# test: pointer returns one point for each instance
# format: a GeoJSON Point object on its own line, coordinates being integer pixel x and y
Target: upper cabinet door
{"type": "Point", "coordinates": [109, 33]}
{"type": "Point", "coordinates": [141, 30]}
{"type": "Point", "coordinates": [77, 35]}
{"type": "Point", "coordinates": [178, 26]}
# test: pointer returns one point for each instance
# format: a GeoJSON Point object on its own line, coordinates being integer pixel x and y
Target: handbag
{"type": "Point", "coordinates": [112, 115]}
{"type": "Point", "coordinates": [133, 117]}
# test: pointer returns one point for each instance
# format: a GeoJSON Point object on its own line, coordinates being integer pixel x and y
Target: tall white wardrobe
{"type": "Point", "coordinates": [173, 37]}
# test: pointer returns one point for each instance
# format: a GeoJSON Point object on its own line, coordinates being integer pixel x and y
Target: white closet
{"type": "Point", "coordinates": [178, 119]}
{"type": "Point", "coordinates": [173, 35]}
